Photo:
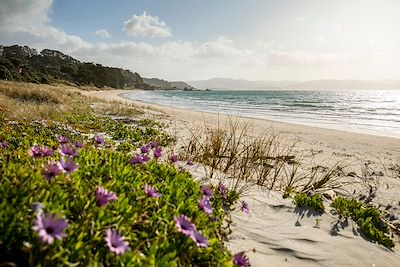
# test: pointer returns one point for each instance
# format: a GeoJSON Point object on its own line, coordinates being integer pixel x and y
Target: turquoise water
{"type": "Point", "coordinates": [366, 111]}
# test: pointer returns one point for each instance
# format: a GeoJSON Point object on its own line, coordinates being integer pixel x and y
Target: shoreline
{"type": "Point", "coordinates": [275, 231]}
{"type": "Point", "coordinates": [370, 140]}
{"type": "Point", "coordinates": [318, 122]}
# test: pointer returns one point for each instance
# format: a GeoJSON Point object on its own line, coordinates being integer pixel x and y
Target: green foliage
{"type": "Point", "coordinates": [314, 201]}
{"type": "Point", "coordinates": [367, 218]}
{"type": "Point", "coordinates": [147, 223]}
{"type": "Point", "coordinates": [26, 64]}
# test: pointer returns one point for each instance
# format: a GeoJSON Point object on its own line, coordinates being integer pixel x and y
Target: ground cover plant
{"type": "Point", "coordinates": [72, 197]}
{"type": "Point", "coordinates": [369, 219]}
{"type": "Point", "coordinates": [310, 200]}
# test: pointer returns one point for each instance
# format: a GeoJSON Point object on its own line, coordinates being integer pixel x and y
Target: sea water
{"type": "Point", "coordinates": [366, 111]}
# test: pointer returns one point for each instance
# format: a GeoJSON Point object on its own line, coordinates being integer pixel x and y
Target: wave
{"type": "Point", "coordinates": [374, 112]}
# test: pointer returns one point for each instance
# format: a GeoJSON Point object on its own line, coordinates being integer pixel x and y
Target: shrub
{"type": "Point", "coordinates": [367, 218]}
{"type": "Point", "coordinates": [309, 200]}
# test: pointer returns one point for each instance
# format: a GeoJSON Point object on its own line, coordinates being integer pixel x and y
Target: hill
{"type": "Point", "coordinates": [22, 63]}
{"type": "Point", "coordinates": [166, 85]}
{"type": "Point", "coordinates": [231, 84]}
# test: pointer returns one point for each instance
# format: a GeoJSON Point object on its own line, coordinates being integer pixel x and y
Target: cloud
{"type": "Point", "coordinates": [25, 22]}
{"type": "Point", "coordinates": [102, 33]}
{"type": "Point", "coordinates": [177, 60]}
{"type": "Point", "coordinates": [300, 19]}
{"type": "Point", "coordinates": [146, 26]}
{"type": "Point", "coordinates": [24, 12]}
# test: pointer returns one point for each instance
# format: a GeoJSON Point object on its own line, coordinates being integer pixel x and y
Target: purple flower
{"type": "Point", "coordinates": [138, 159]}
{"type": "Point", "coordinates": [62, 139]}
{"type": "Point", "coordinates": [144, 149]}
{"type": "Point", "coordinates": [116, 243]}
{"type": "Point", "coordinates": [199, 239]}
{"type": "Point", "coordinates": [50, 227]}
{"type": "Point", "coordinates": [207, 190]}
{"type": "Point", "coordinates": [184, 226]}
{"type": "Point", "coordinates": [241, 260]}
{"type": "Point", "coordinates": [35, 151]}
{"type": "Point", "coordinates": [4, 144]}
{"type": "Point", "coordinates": [103, 196]}
{"type": "Point", "coordinates": [145, 158]}
{"type": "Point", "coordinates": [98, 140]}
{"type": "Point", "coordinates": [153, 144]}
{"type": "Point", "coordinates": [190, 162]}
{"type": "Point", "coordinates": [52, 170]}
{"type": "Point", "coordinates": [244, 207]}
{"type": "Point", "coordinates": [79, 144]}
{"type": "Point", "coordinates": [173, 158]}
{"type": "Point", "coordinates": [157, 152]}
{"type": "Point", "coordinates": [67, 166]}
{"type": "Point", "coordinates": [223, 190]}
{"type": "Point", "coordinates": [46, 151]}
{"type": "Point", "coordinates": [205, 205]}
{"type": "Point", "coordinates": [66, 150]}
{"type": "Point", "coordinates": [151, 191]}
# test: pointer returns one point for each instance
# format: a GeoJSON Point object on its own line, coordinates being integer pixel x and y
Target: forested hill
{"type": "Point", "coordinates": [21, 63]}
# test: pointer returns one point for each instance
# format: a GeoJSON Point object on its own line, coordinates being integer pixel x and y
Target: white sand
{"type": "Point", "coordinates": [271, 228]}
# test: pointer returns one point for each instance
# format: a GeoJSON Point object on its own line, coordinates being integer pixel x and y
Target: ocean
{"type": "Point", "coordinates": [364, 111]}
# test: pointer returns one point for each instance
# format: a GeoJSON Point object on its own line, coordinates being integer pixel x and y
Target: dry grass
{"type": "Point", "coordinates": [116, 108]}
{"type": "Point", "coordinates": [26, 101]}
{"type": "Point", "coordinates": [29, 93]}
{"type": "Point", "coordinates": [265, 160]}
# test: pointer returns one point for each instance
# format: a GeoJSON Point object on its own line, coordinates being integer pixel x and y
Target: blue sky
{"type": "Point", "coordinates": [190, 40]}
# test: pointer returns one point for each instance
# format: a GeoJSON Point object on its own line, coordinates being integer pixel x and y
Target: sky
{"type": "Point", "coordinates": [202, 39]}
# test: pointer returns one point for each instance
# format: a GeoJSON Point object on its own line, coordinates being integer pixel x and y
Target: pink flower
{"type": "Point", "coordinates": [62, 139]}
{"type": "Point", "coordinates": [157, 152]}
{"type": "Point", "coordinates": [138, 159]}
{"type": "Point", "coordinates": [244, 207]}
{"type": "Point", "coordinates": [98, 140]}
{"type": "Point", "coordinates": [66, 150]}
{"type": "Point", "coordinates": [35, 151]}
{"type": "Point", "coordinates": [207, 190]}
{"type": "Point", "coordinates": [205, 205]}
{"type": "Point", "coordinates": [50, 227]}
{"type": "Point", "coordinates": [144, 149]}
{"type": "Point", "coordinates": [199, 239]}
{"type": "Point", "coordinates": [103, 196]}
{"type": "Point", "coordinates": [241, 260]}
{"type": "Point", "coordinates": [151, 191]}
{"type": "Point", "coordinates": [67, 165]}
{"type": "Point", "coordinates": [184, 226]}
{"type": "Point", "coordinates": [116, 243]}
{"type": "Point", "coordinates": [52, 170]}
{"type": "Point", "coordinates": [153, 144]}
{"type": "Point", "coordinates": [45, 151]}
{"type": "Point", "coordinates": [173, 158]}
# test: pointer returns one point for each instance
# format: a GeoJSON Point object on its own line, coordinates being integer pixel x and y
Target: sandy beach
{"type": "Point", "coordinates": [275, 233]}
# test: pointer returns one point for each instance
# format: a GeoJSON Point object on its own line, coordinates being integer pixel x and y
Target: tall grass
{"type": "Point", "coordinates": [264, 159]}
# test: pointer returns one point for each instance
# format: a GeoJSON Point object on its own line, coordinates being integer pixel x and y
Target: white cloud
{"type": "Point", "coordinates": [25, 22]}
{"type": "Point", "coordinates": [300, 19]}
{"type": "Point", "coordinates": [103, 33]}
{"type": "Point", "coordinates": [146, 26]}
{"type": "Point", "coordinates": [24, 12]}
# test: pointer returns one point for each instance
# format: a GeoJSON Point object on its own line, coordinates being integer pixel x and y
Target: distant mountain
{"type": "Point", "coordinates": [234, 84]}
{"type": "Point", "coordinates": [163, 84]}
{"type": "Point", "coordinates": [21, 63]}
{"type": "Point", "coordinates": [226, 83]}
